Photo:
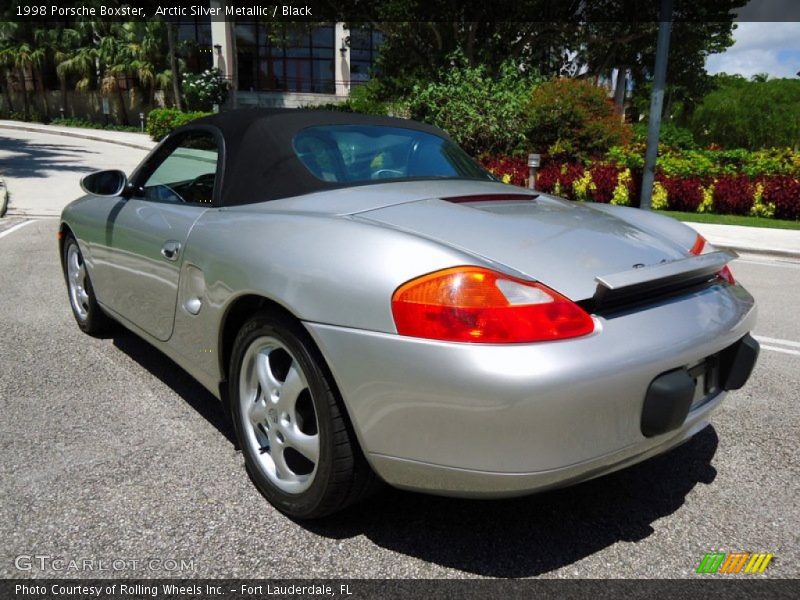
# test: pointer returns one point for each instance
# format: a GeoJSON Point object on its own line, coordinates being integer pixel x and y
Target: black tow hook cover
{"type": "Point", "coordinates": [737, 362]}
{"type": "Point", "coordinates": [667, 402]}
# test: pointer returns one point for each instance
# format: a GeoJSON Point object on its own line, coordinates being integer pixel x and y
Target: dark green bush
{"type": "Point", "coordinates": [671, 136]}
{"type": "Point", "coordinates": [750, 114]}
{"type": "Point", "coordinates": [85, 123]}
{"type": "Point", "coordinates": [162, 121]}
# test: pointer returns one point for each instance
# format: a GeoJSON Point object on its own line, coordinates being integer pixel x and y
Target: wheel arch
{"type": "Point", "coordinates": [64, 230]}
{"type": "Point", "coordinates": [236, 315]}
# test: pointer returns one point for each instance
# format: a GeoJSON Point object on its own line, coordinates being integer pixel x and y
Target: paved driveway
{"type": "Point", "coordinates": [42, 170]}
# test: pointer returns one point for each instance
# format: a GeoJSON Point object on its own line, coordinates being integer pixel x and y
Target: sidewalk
{"type": "Point", "coordinates": [121, 138]}
{"type": "Point", "coordinates": [756, 240]}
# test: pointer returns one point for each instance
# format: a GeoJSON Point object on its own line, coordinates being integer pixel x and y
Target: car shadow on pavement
{"type": "Point", "coordinates": [178, 380]}
{"type": "Point", "coordinates": [520, 537]}
{"type": "Point", "coordinates": [529, 536]}
{"type": "Point", "coordinates": [32, 159]}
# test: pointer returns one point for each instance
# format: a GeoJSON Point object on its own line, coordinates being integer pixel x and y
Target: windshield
{"type": "Point", "coordinates": [362, 153]}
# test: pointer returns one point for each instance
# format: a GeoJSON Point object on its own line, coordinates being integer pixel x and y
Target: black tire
{"type": "Point", "coordinates": [341, 475]}
{"type": "Point", "coordinates": [88, 314]}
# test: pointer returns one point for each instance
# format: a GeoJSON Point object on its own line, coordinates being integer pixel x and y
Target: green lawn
{"type": "Point", "coordinates": [730, 219]}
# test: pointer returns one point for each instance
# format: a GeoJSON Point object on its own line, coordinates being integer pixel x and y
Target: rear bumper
{"type": "Point", "coordinates": [494, 420]}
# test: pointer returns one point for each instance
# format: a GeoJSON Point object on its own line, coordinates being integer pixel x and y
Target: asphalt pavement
{"type": "Point", "coordinates": [112, 452]}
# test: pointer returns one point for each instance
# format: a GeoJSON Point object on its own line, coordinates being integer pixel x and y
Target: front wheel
{"type": "Point", "coordinates": [297, 443]}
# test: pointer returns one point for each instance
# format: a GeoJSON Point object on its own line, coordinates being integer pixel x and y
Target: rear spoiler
{"type": "Point", "coordinates": [647, 283]}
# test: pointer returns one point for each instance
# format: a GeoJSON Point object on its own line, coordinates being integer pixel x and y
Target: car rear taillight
{"type": "Point", "coordinates": [701, 246]}
{"type": "Point", "coordinates": [473, 304]}
{"type": "Point", "coordinates": [726, 275]}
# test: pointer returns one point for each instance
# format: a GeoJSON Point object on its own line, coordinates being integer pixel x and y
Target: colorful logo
{"type": "Point", "coordinates": [734, 562]}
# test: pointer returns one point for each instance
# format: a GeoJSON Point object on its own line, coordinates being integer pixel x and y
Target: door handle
{"type": "Point", "coordinates": [171, 249]}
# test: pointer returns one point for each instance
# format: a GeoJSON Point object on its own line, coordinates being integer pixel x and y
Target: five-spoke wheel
{"type": "Point", "coordinates": [283, 431]}
{"type": "Point", "coordinates": [298, 445]}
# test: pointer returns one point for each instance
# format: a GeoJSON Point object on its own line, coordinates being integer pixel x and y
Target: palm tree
{"type": "Point", "coordinates": [7, 29]}
{"type": "Point", "coordinates": [146, 43]}
{"type": "Point", "coordinates": [38, 57]}
{"type": "Point", "coordinates": [173, 65]}
{"type": "Point", "coordinates": [58, 44]}
{"type": "Point", "coordinates": [116, 60]}
{"type": "Point", "coordinates": [79, 63]}
{"type": "Point", "coordinates": [22, 57]}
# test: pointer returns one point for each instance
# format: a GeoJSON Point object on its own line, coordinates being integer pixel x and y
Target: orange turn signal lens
{"type": "Point", "coordinates": [699, 245]}
{"type": "Point", "coordinates": [474, 304]}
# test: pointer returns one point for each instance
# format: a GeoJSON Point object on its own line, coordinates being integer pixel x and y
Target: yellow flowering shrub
{"type": "Point", "coordinates": [583, 186]}
{"type": "Point", "coordinates": [707, 205]}
{"type": "Point", "coordinates": [659, 199]}
{"type": "Point", "coordinates": [761, 208]}
{"type": "Point", "coordinates": [620, 196]}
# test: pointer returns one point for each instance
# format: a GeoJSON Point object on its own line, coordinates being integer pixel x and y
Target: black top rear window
{"type": "Point", "coordinates": [363, 153]}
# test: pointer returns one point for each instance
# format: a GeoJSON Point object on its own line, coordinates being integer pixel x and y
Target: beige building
{"type": "Point", "coordinates": [287, 64]}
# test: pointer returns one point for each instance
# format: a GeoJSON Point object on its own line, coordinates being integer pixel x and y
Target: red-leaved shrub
{"type": "Point", "coordinates": [733, 195]}
{"type": "Point", "coordinates": [683, 193]}
{"type": "Point", "coordinates": [784, 192]}
{"type": "Point", "coordinates": [514, 167]}
{"type": "Point", "coordinates": [605, 179]}
{"type": "Point", "coordinates": [547, 177]}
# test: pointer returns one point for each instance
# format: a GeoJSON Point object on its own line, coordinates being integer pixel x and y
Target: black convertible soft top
{"type": "Point", "coordinates": [259, 160]}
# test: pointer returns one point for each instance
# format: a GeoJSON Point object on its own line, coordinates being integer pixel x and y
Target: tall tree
{"type": "Point", "coordinates": [611, 39]}
{"type": "Point", "coordinates": [23, 59]}
{"type": "Point", "coordinates": [572, 37]}
{"type": "Point", "coordinates": [116, 59]}
{"type": "Point", "coordinates": [173, 65]}
{"type": "Point", "coordinates": [7, 29]}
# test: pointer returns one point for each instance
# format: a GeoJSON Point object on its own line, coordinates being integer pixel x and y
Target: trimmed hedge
{"type": "Point", "coordinates": [733, 195]}
{"type": "Point", "coordinates": [684, 194]}
{"type": "Point", "coordinates": [767, 196]}
{"type": "Point", "coordinates": [161, 121]}
{"type": "Point", "coordinates": [508, 169]}
{"type": "Point", "coordinates": [784, 194]}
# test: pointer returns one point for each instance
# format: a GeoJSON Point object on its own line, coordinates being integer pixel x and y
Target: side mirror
{"type": "Point", "coordinates": [105, 183]}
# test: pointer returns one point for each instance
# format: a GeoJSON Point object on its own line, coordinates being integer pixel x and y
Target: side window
{"type": "Point", "coordinates": [188, 172]}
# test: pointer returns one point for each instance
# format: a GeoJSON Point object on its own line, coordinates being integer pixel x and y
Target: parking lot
{"type": "Point", "coordinates": [114, 457]}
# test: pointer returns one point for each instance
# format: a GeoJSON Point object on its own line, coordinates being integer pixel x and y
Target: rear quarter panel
{"type": "Point", "coordinates": [322, 269]}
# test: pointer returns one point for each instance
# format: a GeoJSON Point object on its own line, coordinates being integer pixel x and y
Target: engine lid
{"type": "Point", "coordinates": [565, 245]}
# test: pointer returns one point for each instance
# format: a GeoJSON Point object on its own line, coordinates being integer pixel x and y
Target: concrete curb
{"type": "Point", "coordinates": [85, 136]}
{"type": "Point", "coordinates": [774, 252]}
{"type": "Point", "coordinates": [783, 243]}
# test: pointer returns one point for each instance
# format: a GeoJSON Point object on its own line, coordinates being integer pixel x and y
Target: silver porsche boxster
{"type": "Point", "coordinates": [371, 305]}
